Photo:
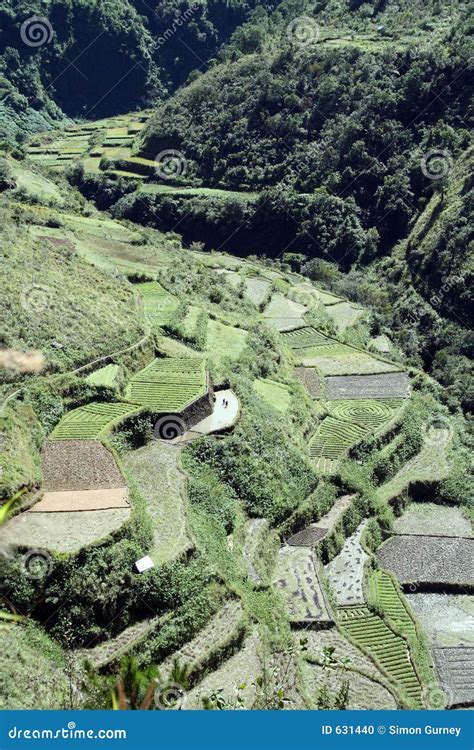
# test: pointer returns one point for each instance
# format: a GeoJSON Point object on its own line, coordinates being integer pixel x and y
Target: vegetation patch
{"type": "Point", "coordinates": [283, 314]}
{"type": "Point", "coordinates": [277, 395]}
{"type": "Point", "coordinates": [344, 315]}
{"type": "Point", "coordinates": [339, 359]}
{"type": "Point", "coordinates": [370, 413]}
{"type": "Point", "coordinates": [303, 338]}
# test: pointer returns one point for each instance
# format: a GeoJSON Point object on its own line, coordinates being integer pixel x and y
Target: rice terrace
{"type": "Point", "coordinates": [235, 358]}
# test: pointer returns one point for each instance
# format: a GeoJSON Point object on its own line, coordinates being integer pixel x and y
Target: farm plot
{"type": "Point", "coordinates": [447, 619]}
{"type": "Point", "coordinates": [114, 648]}
{"type": "Point", "coordinates": [369, 688]}
{"type": "Point", "coordinates": [384, 593]}
{"type": "Point", "coordinates": [79, 465]}
{"type": "Point", "coordinates": [339, 359]}
{"type": "Point", "coordinates": [334, 437]}
{"type": "Point", "coordinates": [277, 395]}
{"type": "Point", "coordinates": [61, 532]}
{"type": "Point", "coordinates": [224, 627]}
{"type": "Point", "coordinates": [158, 304]}
{"type": "Point", "coordinates": [168, 384]}
{"type": "Point", "coordinates": [106, 376]}
{"type": "Point", "coordinates": [298, 581]}
{"type": "Point", "coordinates": [455, 668]}
{"type": "Point", "coordinates": [369, 413]}
{"type": "Point", "coordinates": [224, 340]}
{"type": "Point", "coordinates": [242, 669]}
{"type": "Point", "coordinates": [90, 421]}
{"type": "Point", "coordinates": [390, 385]}
{"type": "Point", "coordinates": [433, 520]}
{"type": "Point", "coordinates": [388, 649]}
{"type": "Point", "coordinates": [429, 560]}
{"type": "Point", "coordinates": [326, 298]}
{"type": "Point", "coordinates": [345, 572]}
{"type": "Point", "coordinates": [256, 289]}
{"type": "Point", "coordinates": [344, 315]}
{"type": "Point", "coordinates": [284, 314]}
{"type": "Point", "coordinates": [154, 468]}
{"type": "Point", "coordinates": [81, 500]}
{"type": "Point", "coordinates": [303, 338]}
{"type": "Point", "coordinates": [310, 379]}
{"type": "Point", "coordinates": [314, 532]}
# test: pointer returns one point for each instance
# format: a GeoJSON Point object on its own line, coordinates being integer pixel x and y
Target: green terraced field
{"type": "Point", "coordinates": [368, 413]}
{"type": "Point", "coordinates": [275, 394]}
{"type": "Point", "coordinates": [105, 376]}
{"type": "Point", "coordinates": [389, 650]}
{"type": "Point", "coordinates": [168, 384]}
{"type": "Point", "coordinates": [158, 304]}
{"type": "Point", "coordinates": [385, 593]}
{"type": "Point", "coordinates": [87, 422]}
{"type": "Point", "coordinates": [334, 437]}
{"type": "Point", "coordinates": [303, 338]}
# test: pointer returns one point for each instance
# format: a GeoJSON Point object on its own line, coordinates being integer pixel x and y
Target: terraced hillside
{"type": "Point", "coordinates": [168, 384]}
{"type": "Point", "coordinates": [89, 421]}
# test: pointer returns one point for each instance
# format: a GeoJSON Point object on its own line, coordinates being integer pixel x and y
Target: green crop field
{"type": "Point", "coordinates": [339, 359]}
{"type": "Point", "coordinates": [334, 437]}
{"type": "Point", "coordinates": [371, 413]}
{"type": "Point", "coordinates": [303, 338]}
{"type": "Point", "coordinates": [389, 650]}
{"type": "Point", "coordinates": [383, 592]}
{"type": "Point", "coordinates": [105, 376]}
{"type": "Point", "coordinates": [87, 422]}
{"type": "Point", "coordinates": [275, 394]}
{"type": "Point", "coordinates": [168, 384]}
{"type": "Point", "coordinates": [157, 302]}
{"type": "Point", "coordinates": [153, 189]}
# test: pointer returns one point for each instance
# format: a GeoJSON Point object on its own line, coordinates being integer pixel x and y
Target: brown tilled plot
{"type": "Point", "coordinates": [74, 500]}
{"type": "Point", "coordinates": [309, 377]}
{"type": "Point", "coordinates": [79, 465]}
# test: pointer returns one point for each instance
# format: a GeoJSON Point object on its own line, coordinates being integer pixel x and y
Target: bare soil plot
{"type": "Point", "coordinates": [429, 559]}
{"type": "Point", "coordinates": [455, 668]}
{"type": "Point", "coordinates": [345, 572]}
{"type": "Point", "coordinates": [297, 578]}
{"type": "Point", "coordinates": [447, 619]}
{"type": "Point", "coordinates": [314, 532]}
{"type": "Point", "coordinates": [431, 519]}
{"type": "Point", "coordinates": [310, 379]}
{"type": "Point", "coordinates": [80, 500]}
{"type": "Point", "coordinates": [63, 532]}
{"type": "Point", "coordinates": [79, 465]}
{"type": "Point", "coordinates": [390, 385]}
{"type": "Point", "coordinates": [155, 469]}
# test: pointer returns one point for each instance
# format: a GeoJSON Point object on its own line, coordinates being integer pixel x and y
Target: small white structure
{"type": "Point", "coordinates": [144, 563]}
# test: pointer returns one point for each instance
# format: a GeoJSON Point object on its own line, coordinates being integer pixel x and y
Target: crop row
{"type": "Point", "coordinates": [388, 598]}
{"type": "Point", "coordinates": [88, 421]}
{"type": "Point", "coordinates": [304, 337]}
{"type": "Point", "coordinates": [168, 384]}
{"type": "Point", "coordinates": [366, 412]}
{"type": "Point", "coordinates": [334, 437]}
{"type": "Point", "coordinates": [390, 650]}
{"type": "Point", "coordinates": [158, 303]}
